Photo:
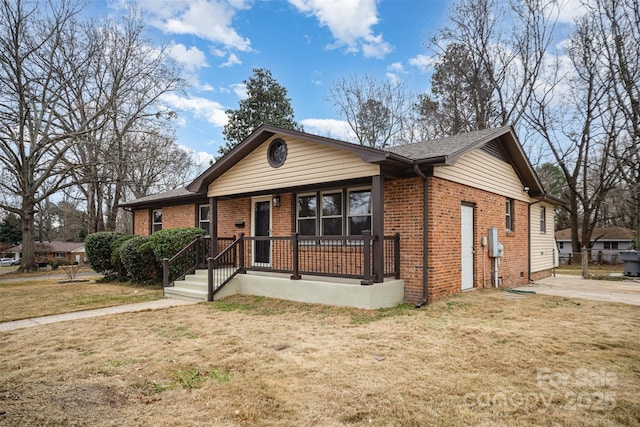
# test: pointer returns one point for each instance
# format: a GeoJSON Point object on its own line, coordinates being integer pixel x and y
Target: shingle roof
{"type": "Point", "coordinates": [54, 246]}
{"type": "Point", "coordinates": [450, 146]}
{"type": "Point", "coordinates": [178, 193]}
{"type": "Point", "coordinates": [607, 233]}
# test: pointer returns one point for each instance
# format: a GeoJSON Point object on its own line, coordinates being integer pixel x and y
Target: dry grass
{"type": "Point", "coordinates": [596, 270]}
{"type": "Point", "coordinates": [480, 358]}
{"type": "Point", "coordinates": [22, 298]}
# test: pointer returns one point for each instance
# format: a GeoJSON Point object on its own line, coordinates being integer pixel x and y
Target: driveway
{"type": "Point", "coordinates": [625, 291]}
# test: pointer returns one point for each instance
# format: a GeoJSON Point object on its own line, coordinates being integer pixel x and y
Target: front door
{"type": "Point", "coordinates": [262, 227]}
{"type": "Point", "coordinates": [466, 248]}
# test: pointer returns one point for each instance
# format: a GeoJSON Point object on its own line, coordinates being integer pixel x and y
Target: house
{"type": "Point", "coordinates": [606, 244]}
{"type": "Point", "coordinates": [55, 251]}
{"type": "Point", "coordinates": [414, 222]}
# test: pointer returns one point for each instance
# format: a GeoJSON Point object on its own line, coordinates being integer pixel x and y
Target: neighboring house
{"type": "Point", "coordinates": [305, 204]}
{"type": "Point", "coordinates": [606, 244]}
{"type": "Point", "coordinates": [55, 251]}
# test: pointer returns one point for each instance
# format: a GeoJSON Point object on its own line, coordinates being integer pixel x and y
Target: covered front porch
{"type": "Point", "coordinates": [358, 271]}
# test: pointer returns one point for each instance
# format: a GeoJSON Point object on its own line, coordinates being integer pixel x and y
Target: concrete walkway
{"type": "Point", "coordinates": [127, 308]}
{"type": "Point", "coordinates": [625, 291]}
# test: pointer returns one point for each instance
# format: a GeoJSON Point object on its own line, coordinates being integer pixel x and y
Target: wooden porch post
{"type": "Point", "coordinates": [213, 227]}
{"type": "Point", "coordinates": [377, 209]}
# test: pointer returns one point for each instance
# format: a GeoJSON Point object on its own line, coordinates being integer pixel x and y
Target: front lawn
{"type": "Point", "coordinates": [22, 298]}
{"type": "Point", "coordinates": [480, 358]}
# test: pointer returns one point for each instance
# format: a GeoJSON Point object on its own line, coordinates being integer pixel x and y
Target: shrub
{"type": "Point", "coordinates": [167, 243]}
{"type": "Point", "coordinates": [137, 256]}
{"type": "Point", "coordinates": [98, 247]}
{"type": "Point", "coordinates": [119, 268]}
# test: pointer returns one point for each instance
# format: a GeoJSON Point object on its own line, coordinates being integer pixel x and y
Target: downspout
{"type": "Point", "coordinates": [425, 246]}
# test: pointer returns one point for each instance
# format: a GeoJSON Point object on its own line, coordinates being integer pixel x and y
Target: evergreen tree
{"type": "Point", "coordinates": [267, 103]}
{"type": "Point", "coordinates": [10, 229]}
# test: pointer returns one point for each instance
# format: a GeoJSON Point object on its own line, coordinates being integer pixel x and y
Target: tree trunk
{"type": "Point", "coordinates": [28, 262]}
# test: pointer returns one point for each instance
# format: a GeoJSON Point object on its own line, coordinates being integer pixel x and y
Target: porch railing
{"type": "Point", "coordinates": [224, 266]}
{"type": "Point", "coordinates": [335, 256]}
{"type": "Point", "coordinates": [190, 258]}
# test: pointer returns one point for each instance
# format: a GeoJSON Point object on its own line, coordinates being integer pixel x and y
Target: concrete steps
{"type": "Point", "coordinates": [192, 288]}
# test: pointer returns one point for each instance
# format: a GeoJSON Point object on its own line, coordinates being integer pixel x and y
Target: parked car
{"type": "Point", "coordinates": [6, 262]}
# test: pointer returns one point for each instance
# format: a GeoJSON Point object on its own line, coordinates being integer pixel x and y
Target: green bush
{"type": "Point", "coordinates": [167, 243]}
{"type": "Point", "coordinates": [119, 268]}
{"type": "Point", "coordinates": [137, 256]}
{"type": "Point", "coordinates": [98, 248]}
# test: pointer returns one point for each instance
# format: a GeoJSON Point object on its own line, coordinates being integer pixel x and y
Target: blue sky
{"type": "Point", "coordinates": [306, 44]}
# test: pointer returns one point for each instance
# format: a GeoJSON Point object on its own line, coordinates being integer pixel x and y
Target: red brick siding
{"type": "Point", "coordinates": [141, 222]}
{"type": "Point", "coordinates": [541, 274]}
{"type": "Point", "coordinates": [231, 212]}
{"type": "Point", "coordinates": [178, 216]}
{"type": "Point", "coordinates": [403, 214]}
{"type": "Point", "coordinates": [444, 235]}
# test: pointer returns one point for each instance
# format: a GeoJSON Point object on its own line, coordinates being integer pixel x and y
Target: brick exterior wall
{"type": "Point", "coordinates": [403, 214]}
{"type": "Point", "coordinates": [444, 235]}
{"type": "Point", "coordinates": [403, 203]}
{"type": "Point", "coordinates": [537, 275]}
{"type": "Point", "coordinates": [232, 211]}
{"type": "Point", "coordinates": [141, 222]}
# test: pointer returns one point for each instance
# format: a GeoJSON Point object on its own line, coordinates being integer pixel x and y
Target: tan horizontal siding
{"type": "Point", "coordinates": [481, 170]}
{"type": "Point", "coordinates": [543, 246]}
{"type": "Point", "coordinates": [307, 163]}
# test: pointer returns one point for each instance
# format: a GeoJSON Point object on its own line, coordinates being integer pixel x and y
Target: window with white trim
{"type": "Point", "coordinates": [203, 218]}
{"type": "Point", "coordinates": [156, 220]}
{"type": "Point", "coordinates": [509, 215]}
{"type": "Point", "coordinates": [543, 220]}
{"type": "Point", "coordinates": [610, 245]}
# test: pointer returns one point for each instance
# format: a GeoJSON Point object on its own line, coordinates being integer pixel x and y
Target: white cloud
{"type": "Point", "coordinates": [337, 129]}
{"type": "Point", "coordinates": [394, 71]}
{"type": "Point", "coordinates": [201, 158]}
{"type": "Point", "coordinates": [192, 58]}
{"type": "Point", "coordinates": [233, 60]}
{"type": "Point", "coordinates": [202, 108]}
{"type": "Point", "coordinates": [350, 23]}
{"type": "Point", "coordinates": [240, 90]}
{"type": "Point", "coordinates": [208, 19]}
{"type": "Point", "coordinates": [570, 10]}
{"type": "Point", "coordinates": [423, 62]}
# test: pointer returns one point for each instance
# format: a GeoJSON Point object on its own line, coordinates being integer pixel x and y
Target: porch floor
{"type": "Point", "coordinates": [310, 289]}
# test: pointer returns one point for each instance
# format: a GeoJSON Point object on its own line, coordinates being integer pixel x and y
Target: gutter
{"type": "Point", "coordinates": [425, 246]}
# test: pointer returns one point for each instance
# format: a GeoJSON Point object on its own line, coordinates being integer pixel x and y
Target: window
{"type": "Point", "coordinates": [307, 215]}
{"type": "Point", "coordinates": [610, 245]}
{"type": "Point", "coordinates": [561, 245]}
{"type": "Point", "coordinates": [203, 218]}
{"type": "Point", "coordinates": [509, 216]}
{"type": "Point", "coordinates": [156, 220]}
{"type": "Point", "coordinates": [359, 211]}
{"type": "Point", "coordinates": [58, 254]}
{"type": "Point", "coordinates": [324, 213]}
{"type": "Point", "coordinates": [543, 220]}
{"type": "Point", "coordinates": [331, 222]}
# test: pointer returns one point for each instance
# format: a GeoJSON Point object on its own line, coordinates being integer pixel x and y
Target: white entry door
{"type": "Point", "coordinates": [466, 249]}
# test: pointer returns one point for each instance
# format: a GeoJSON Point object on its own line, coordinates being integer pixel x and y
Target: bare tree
{"type": "Point", "coordinates": [43, 56]}
{"type": "Point", "coordinates": [581, 126]}
{"type": "Point", "coordinates": [133, 75]}
{"type": "Point", "coordinates": [375, 110]}
{"type": "Point", "coordinates": [617, 23]}
{"type": "Point", "coordinates": [496, 67]}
